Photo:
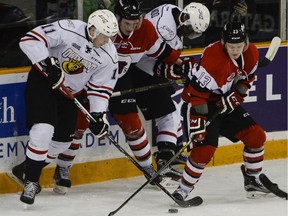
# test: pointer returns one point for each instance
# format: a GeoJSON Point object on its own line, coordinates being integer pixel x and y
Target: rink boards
{"type": "Point", "coordinates": [99, 160]}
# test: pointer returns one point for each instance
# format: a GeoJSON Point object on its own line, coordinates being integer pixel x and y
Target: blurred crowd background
{"type": "Point", "coordinates": [264, 20]}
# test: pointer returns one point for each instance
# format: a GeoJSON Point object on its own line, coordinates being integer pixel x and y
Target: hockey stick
{"type": "Point", "coordinates": [273, 187]}
{"type": "Point", "coordinates": [272, 50]}
{"type": "Point", "coordinates": [146, 88]}
{"type": "Point", "coordinates": [192, 202]}
{"type": "Point", "coordinates": [195, 201]}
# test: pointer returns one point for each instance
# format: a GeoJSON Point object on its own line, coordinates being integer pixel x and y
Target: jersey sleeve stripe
{"type": "Point", "coordinates": [97, 95]}
{"type": "Point", "coordinates": [103, 87]}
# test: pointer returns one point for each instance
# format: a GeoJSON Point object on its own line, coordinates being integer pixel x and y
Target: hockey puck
{"type": "Point", "coordinates": [173, 210]}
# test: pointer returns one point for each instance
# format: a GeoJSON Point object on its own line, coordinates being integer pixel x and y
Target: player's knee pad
{"type": "Point", "coordinates": [167, 127]}
{"type": "Point", "coordinates": [202, 154]}
{"type": "Point", "coordinates": [170, 121]}
{"type": "Point", "coordinates": [41, 135]}
{"type": "Point", "coordinates": [130, 124]}
{"type": "Point", "coordinates": [252, 137]}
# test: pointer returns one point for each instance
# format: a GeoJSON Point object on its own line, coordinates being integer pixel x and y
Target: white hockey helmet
{"type": "Point", "coordinates": [105, 23]}
{"type": "Point", "coordinates": [197, 15]}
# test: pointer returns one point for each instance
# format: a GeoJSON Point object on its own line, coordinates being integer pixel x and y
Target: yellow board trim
{"type": "Point", "coordinates": [99, 171]}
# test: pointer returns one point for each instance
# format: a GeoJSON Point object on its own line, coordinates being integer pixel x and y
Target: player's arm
{"type": "Point", "coordinates": [99, 91]}
{"type": "Point", "coordinates": [241, 84]}
{"type": "Point", "coordinates": [195, 108]}
{"type": "Point", "coordinates": [169, 64]}
{"type": "Point", "coordinates": [35, 45]}
{"type": "Point", "coordinates": [36, 42]}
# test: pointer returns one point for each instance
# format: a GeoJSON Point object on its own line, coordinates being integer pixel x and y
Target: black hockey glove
{"type": "Point", "coordinates": [101, 126]}
{"type": "Point", "coordinates": [197, 127]}
{"type": "Point", "coordinates": [53, 72]}
{"type": "Point", "coordinates": [230, 101]}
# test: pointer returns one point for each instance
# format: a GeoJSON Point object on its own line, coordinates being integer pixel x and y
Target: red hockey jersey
{"type": "Point", "coordinates": [142, 41]}
{"type": "Point", "coordinates": [217, 73]}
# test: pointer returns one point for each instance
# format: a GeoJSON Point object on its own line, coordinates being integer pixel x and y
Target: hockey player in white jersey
{"type": "Point", "coordinates": [172, 24]}
{"type": "Point", "coordinates": [163, 109]}
{"type": "Point", "coordinates": [87, 57]}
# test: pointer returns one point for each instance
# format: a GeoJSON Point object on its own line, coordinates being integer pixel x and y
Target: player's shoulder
{"type": "Point", "coordinates": [166, 25]}
{"type": "Point", "coordinates": [110, 50]}
{"type": "Point", "coordinates": [214, 57]}
{"type": "Point", "coordinates": [146, 26]}
{"type": "Point", "coordinates": [252, 50]}
{"type": "Point", "coordinates": [251, 56]}
{"type": "Point", "coordinates": [213, 49]}
{"type": "Point", "coordinates": [72, 25]}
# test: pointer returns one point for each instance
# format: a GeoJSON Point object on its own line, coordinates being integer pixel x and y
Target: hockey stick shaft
{"type": "Point", "coordinates": [271, 52]}
{"type": "Point", "coordinates": [146, 88]}
{"type": "Point", "coordinates": [90, 118]}
{"type": "Point", "coordinates": [157, 173]}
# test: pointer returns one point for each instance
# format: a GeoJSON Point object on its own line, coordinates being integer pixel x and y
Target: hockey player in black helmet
{"type": "Point", "coordinates": [138, 37]}
{"type": "Point", "coordinates": [229, 64]}
{"type": "Point", "coordinates": [128, 9]}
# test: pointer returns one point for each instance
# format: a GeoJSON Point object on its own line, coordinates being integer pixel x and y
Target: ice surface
{"type": "Point", "coordinates": [220, 187]}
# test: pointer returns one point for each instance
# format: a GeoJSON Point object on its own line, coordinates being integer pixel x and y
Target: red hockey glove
{"type": "Point", "coordinates": [171, 72]}
{"type": "Point", "coordinates": [174, 72]}
{"type": "Point", "coordinates": [230, 101]}
{"type": "Point", "coordinates": [53, 72]}
{"type": "Point", "coordinates": [101, 126]}
{"type": "Point", "coordinates": [187, 65]}
{"type": "Point", "coordinates": [197, 128]}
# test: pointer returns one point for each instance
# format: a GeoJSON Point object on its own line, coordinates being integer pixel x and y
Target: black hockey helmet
{"type": "Point", "coordinates": [234, 32]}
{"type": "Point", "coordinates": [128, 9]}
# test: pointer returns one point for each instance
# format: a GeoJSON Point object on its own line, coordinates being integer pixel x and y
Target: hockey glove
{"type": "Point", "coordinates": [187, 65]}
{"type": "Point", "coordinates": [174, 72]}
{"type": "Point", "coordinates": [171, 72]}
{"type": "Point", "coordinates": [230, 101]}
{"type": "Point", "coordinates": [53, 72]}
{"type": "Point", "coordinates": [101, 126]}
{"type": "Point", "coordinates": [197, 129]}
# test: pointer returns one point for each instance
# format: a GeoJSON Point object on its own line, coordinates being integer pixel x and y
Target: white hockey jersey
{"type": "Point", "coordinates": [164, 23]}
{"type": "Point", "coordinates": [82, 63]}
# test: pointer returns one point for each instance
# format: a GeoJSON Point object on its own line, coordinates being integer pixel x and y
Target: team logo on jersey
{"type": "Point", "coordinates": [126, 45]}
{"type": "Point", "coordinates": [76, 63]}
{"type": "Point", "coordinates": [170, 31]}
{"type": "Point", "coordinates": [88, 49]}
{"type": "Point", "coordinates": [72, 67]}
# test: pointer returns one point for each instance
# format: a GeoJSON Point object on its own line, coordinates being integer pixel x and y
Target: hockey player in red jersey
{"type": "Point", "coordinates": [172, 24]}
{"type": "Point", "coordinates": [220, 82]}
{"type": "Point", "coordinates": [86, 57]}
{"type": "Point", "coordinates": [137, 37]}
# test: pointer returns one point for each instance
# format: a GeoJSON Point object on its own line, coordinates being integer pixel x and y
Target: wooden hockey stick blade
{"type": "Point", "coordinates": [272, 50]}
